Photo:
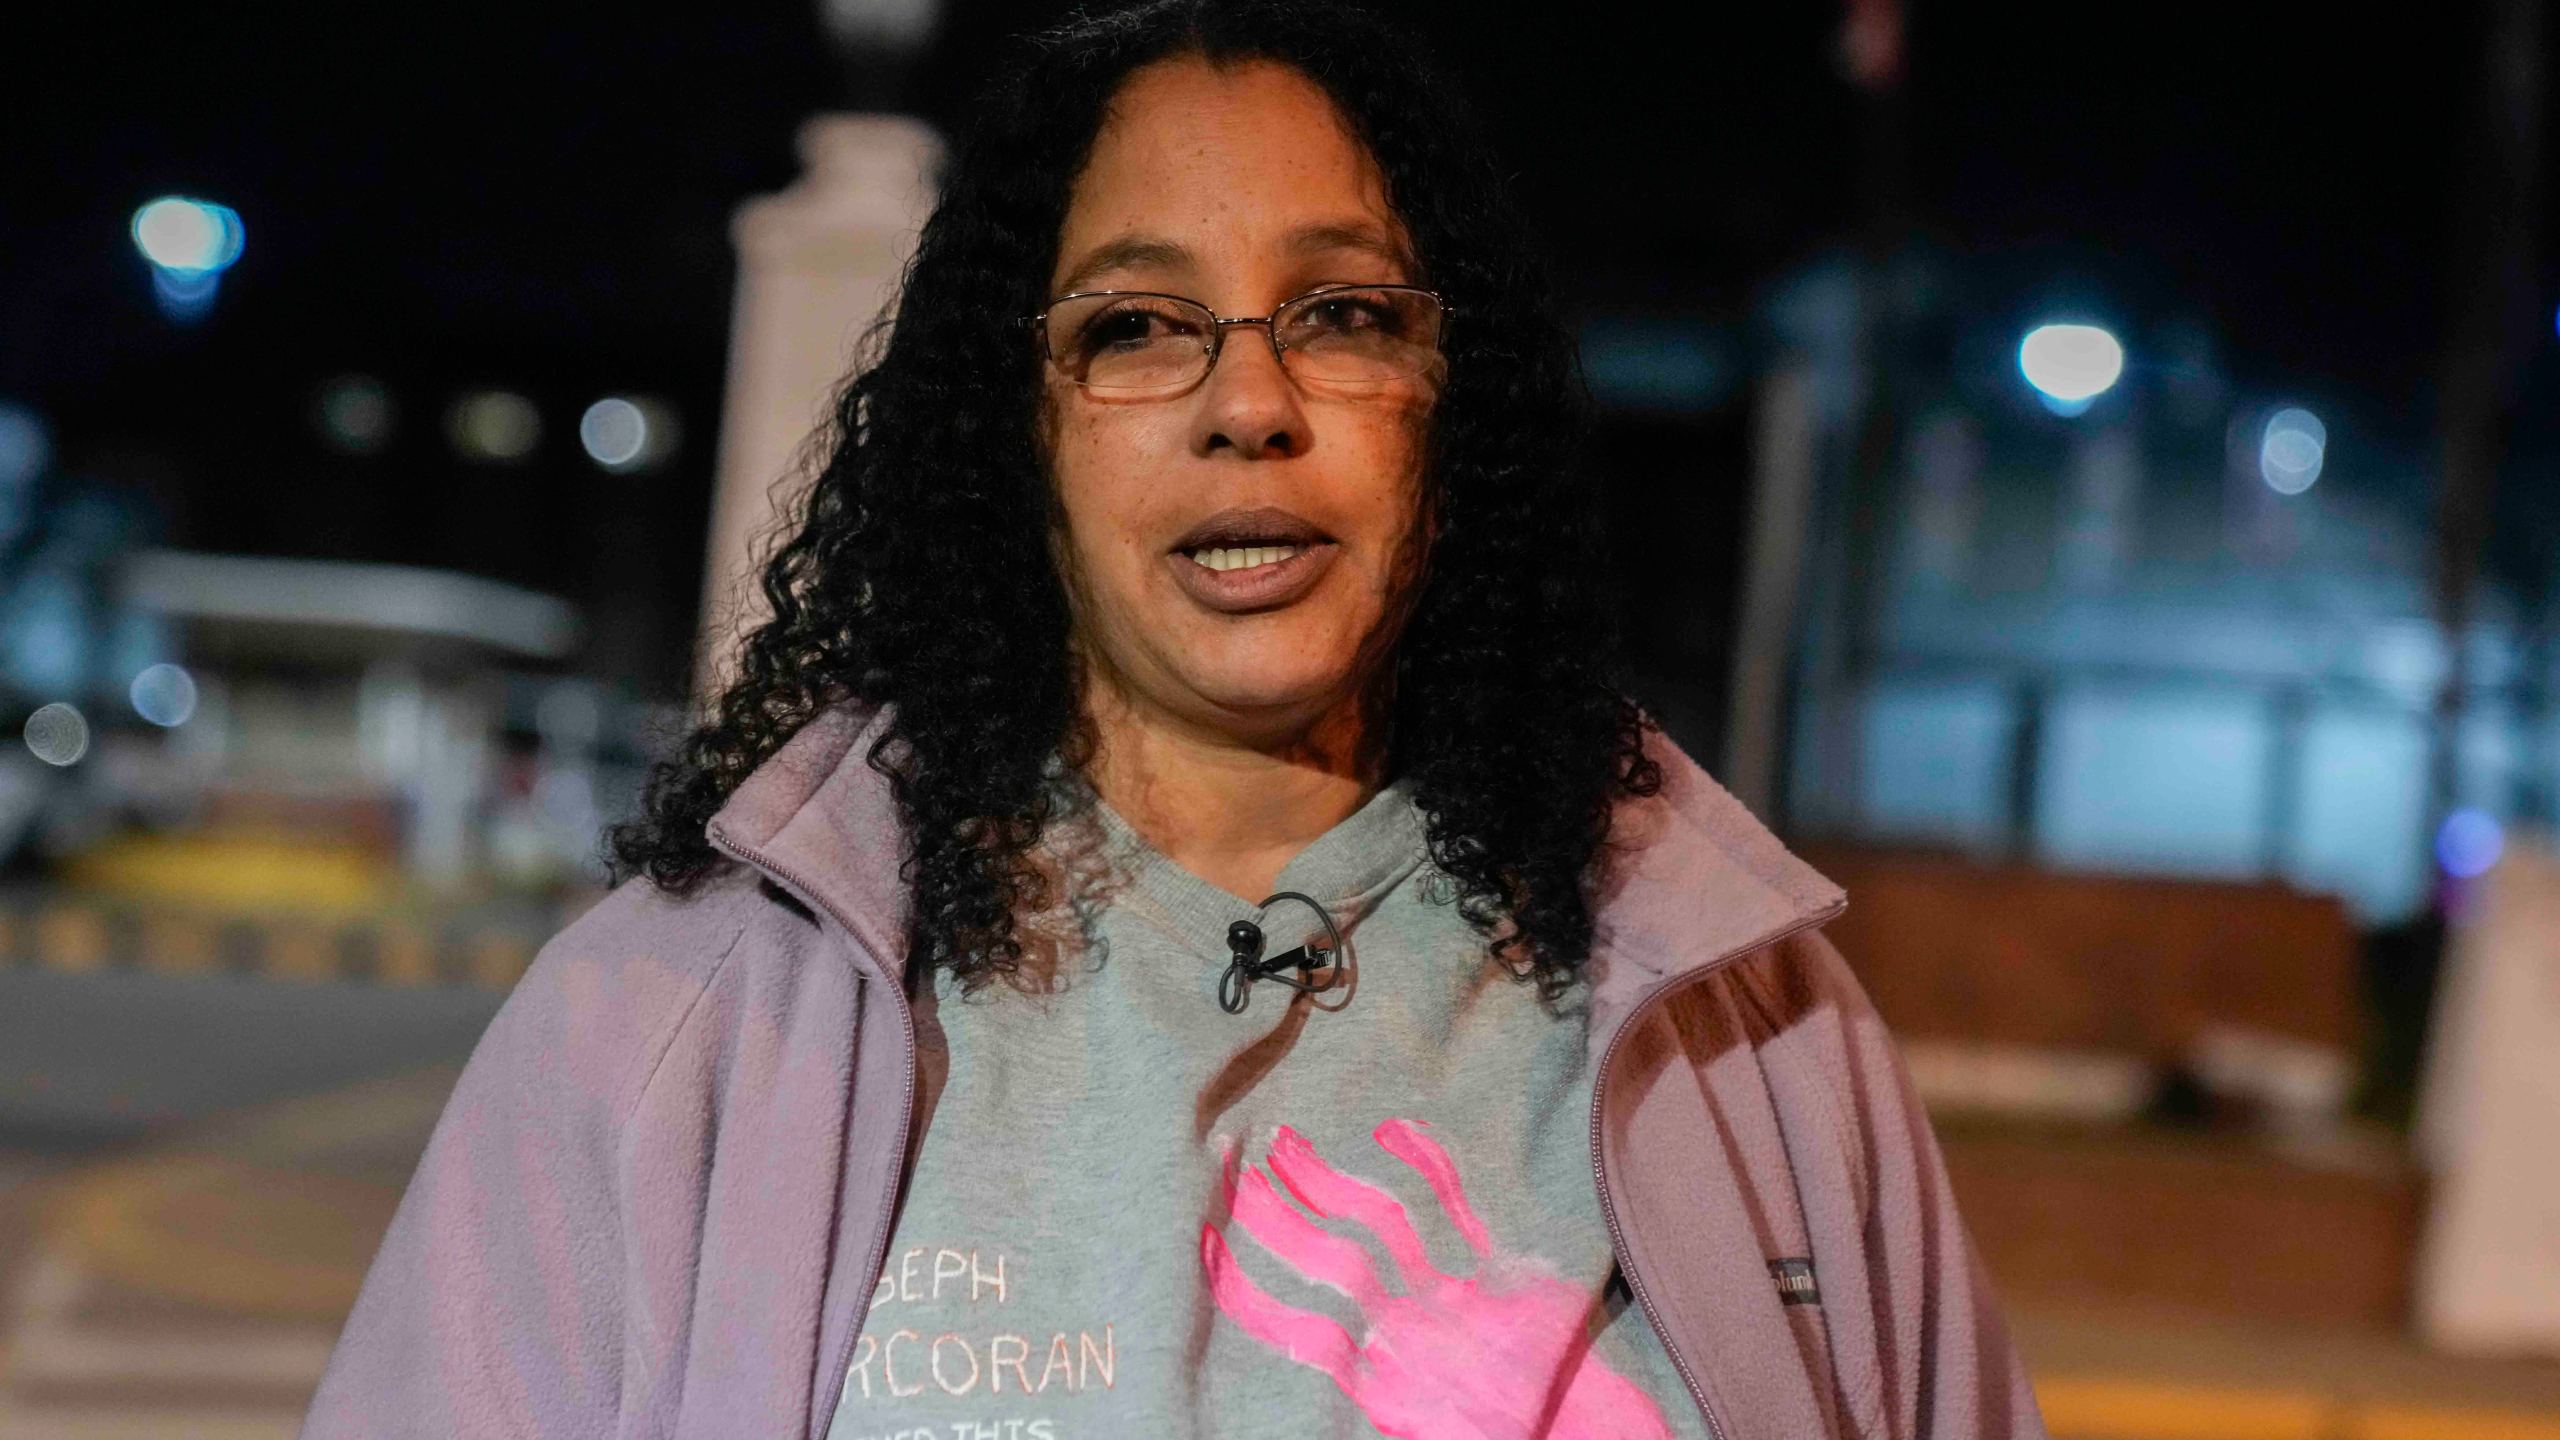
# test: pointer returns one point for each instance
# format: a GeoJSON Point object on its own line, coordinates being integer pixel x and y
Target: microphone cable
{"type": "Point", "coordinates": [1244, 945]}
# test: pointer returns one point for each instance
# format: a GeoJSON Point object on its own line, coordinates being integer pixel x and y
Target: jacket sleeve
{"type": "Point", "coordinates": [1949, 1367]}
{"type": "Point", "coordinates": [491, 1306]}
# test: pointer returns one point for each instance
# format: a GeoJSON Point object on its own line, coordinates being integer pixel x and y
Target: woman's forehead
{"type": "Point", "coordinates": [1197, 162]}
{"type": "Point", "coordinates": [1349, 236]}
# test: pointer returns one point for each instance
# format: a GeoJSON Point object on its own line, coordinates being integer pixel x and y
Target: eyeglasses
{"type": "Point", "coordinates": [1138, 342]}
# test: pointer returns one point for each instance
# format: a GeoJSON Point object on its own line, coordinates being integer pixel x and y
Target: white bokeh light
{"type": "Point", "coordinates": [615, 433]}
{"type": "Point", "coordinates": [58, 734]}
{"type": "Point", "coordinates": [625, 433]}
{"type": "Point", "coordinates": [2071, 365]}
{"type": "Point", "coordinates": [2291, 450]}
{"type": "Point", "coordinates": [190, 237]}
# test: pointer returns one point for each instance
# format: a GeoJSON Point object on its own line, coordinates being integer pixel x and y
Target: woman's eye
{"type": "Point", "coordinates": [1129, 326]}
{"type": "Point", "coordinates": [1348, 313]}
{"type": "Point", "coordinates": [1115, 330]}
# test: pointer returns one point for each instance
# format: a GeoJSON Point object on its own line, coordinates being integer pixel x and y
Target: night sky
{"type": "Point", "coordinates": [537, 197]}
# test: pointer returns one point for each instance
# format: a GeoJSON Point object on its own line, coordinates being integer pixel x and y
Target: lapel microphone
{"type": "Point", "coordinates": [1244, 944]}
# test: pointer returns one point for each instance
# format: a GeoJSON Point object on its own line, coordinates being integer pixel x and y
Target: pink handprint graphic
{"type": "Point", "coordinates": [1498, 1355]}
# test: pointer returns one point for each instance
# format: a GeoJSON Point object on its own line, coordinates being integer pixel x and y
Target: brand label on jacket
{"type": "Point", "coordinates": [1795, 1281]}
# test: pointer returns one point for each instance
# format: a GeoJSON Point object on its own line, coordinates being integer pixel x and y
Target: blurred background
{"type": "Point", "coordinates": [2084, 476]}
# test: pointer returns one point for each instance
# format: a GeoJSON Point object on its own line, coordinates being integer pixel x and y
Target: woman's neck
{"type": "Point", "coordinates": [1232, 811]}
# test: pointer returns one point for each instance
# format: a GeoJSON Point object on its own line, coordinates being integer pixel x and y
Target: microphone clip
{"type": "Point", "coordinates": [1244, 943]}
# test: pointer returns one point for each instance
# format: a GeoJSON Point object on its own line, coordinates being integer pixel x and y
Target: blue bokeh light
{"type": "Point", "coordinates": [189, 244]}
{"type": "Point", "coordinates": [185, 294]}
{"type": "Point", "coordinates": [26, 445]}
{"type": "Point", "coordinates": [2469, 842]}
{"type": "Point", "coordinates": [164, 694]}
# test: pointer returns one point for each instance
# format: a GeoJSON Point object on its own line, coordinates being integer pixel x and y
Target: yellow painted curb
{"type": "Point", "coordinates": [2102, 1409]}
{"type": "Point", "coordinates": [2148, 1410]}
{"type": "Point", "coordinates": [2400, 1422]}
{"type": "Point", "coordinates": [80, 936]}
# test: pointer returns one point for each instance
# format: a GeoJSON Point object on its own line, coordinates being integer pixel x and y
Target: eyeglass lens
{"type": "Point", "coordinates": [1159, 342]}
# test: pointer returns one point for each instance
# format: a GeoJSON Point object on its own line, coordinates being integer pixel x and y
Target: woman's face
{"type": "Point", "coordinates": [1238, 188]}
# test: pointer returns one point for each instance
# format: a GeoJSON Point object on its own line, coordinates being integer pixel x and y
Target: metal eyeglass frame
{"type": "Point", "coordinates": [1039, 325]}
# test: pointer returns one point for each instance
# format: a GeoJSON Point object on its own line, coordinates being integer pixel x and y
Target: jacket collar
{"type": "Point", "coordinates": [1696, 880]}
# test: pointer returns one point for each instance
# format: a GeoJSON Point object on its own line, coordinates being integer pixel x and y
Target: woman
{"type": "Point", "coordinates": [1171, 932]}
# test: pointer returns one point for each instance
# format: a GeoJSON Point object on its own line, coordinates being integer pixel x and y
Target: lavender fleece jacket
{"type": "Point", "coordinates": [657, 1202]}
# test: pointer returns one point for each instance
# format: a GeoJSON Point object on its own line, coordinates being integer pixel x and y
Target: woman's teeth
{"type": "Point", "coordinates": [1243, 557]}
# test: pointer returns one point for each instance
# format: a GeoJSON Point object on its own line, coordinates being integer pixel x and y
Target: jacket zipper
{"type": "Point", "coordinates": [1600, 1175]}
{"type": "Point", "coordinates": [822, 1408]}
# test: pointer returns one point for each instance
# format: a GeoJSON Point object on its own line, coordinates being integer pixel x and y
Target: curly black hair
{"type": "Point", "coordinates": [917, 573]}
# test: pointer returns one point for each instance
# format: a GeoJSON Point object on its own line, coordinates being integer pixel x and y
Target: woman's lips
{"type": "Point", "coordinates": [1255, 587]}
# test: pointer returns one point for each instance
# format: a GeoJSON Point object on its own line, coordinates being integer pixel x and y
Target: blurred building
{"type": "Point", "coordinates": [2183, 629]}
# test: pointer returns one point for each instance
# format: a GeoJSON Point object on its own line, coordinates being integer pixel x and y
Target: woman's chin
{"type": "Point", "coordinates": [1271, 697]}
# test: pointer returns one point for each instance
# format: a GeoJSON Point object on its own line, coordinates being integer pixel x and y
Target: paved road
{"type": "Point", "coordinates": [93, 1058]}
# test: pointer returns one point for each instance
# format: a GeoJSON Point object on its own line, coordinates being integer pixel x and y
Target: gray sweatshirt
{"type": "Point", "coordinates": [1357, 1212]}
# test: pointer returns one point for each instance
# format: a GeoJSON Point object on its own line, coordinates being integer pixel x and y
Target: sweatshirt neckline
{"type": "Point", "coordinates": [1348, 869]}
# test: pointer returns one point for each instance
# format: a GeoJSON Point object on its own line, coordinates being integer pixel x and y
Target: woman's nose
{"type": "Point", "coordinates": [1249, 403]}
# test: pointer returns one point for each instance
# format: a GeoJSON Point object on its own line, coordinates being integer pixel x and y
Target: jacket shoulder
{"type": "Point", "coordinates": [1797, 1010]}
{"type": "Point", "coordinates": [497, 1301]}
{"type": "Point", "coordinates": [606, 995]}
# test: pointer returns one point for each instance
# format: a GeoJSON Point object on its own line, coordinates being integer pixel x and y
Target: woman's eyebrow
{"type": "Point", "coordinates": [1127, 252]}
{"type": "Point", "coordinates": [1321, 236]}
